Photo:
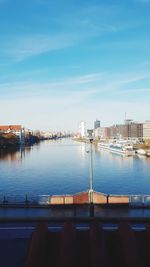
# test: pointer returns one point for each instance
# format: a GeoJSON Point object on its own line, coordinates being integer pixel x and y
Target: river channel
{"type": "Point", "coordinates": [63, 167]}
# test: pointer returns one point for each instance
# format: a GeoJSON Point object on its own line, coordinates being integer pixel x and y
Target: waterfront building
{"type": "Point", "coordinates": [136, 130]}
{"type": "Point", "coordinates": [18, 130]}
{"type": "Point", "coordinates": [89, 132]}
{"type": "Point", "coordinates": [96, 124]}
{"type": "Point", "coordinates": [47, 135]}
{"type": "Point", "coordinates": [128, 121]}
{"type": "Point", "coordinates": [114, 131]}
{"type": "Point", "coordinates": [97, 133]}
{"type": "Point", "coordinates": [82, 129]}
{"type": "Point", "coordinates": [146, 130]}
{"type": "Point", "coordinates": [123, 130]}
{"type": "Point", "coordinates": [104, 132]}
{"type": "Point", "coordinates": [130, 130]}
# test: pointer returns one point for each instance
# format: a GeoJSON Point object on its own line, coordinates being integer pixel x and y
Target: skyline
{"type": "Point", "coordinates": [62, 62]}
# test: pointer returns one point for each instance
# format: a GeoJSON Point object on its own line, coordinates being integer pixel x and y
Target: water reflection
{"type": "Point", "coordinates": [82, 151]}
{"type": "Point", "coordinates": [116, 158]}
{"type": "Point", "coordinates": [143, 157]}
{"type": "Point", "coordinates": [10, 155]}
{"type": "Point", "coordinates": [14, 154]}
{"type": "Point", "coordinates": [63, 167]}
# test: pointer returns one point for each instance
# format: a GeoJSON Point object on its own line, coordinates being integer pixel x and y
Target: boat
{"type": "Point", "coordinates": [141, 151]}
{"type": "Point", "coordinates": [119, 148]}
{"type": "Point", "coordinates": [148, 153]}
{"type": "Point", "coordinates": [104, 145]}
{"type": "Point", "coordinates": [126, 150]}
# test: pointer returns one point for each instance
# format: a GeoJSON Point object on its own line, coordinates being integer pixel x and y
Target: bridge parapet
{"type": "Point", "coordinates": [79, 198]}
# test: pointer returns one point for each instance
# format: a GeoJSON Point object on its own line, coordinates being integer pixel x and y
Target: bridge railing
{"type": "Point", "coordinates": [140, 200]}
{"type": "Point", "coordinates": [80, 198]}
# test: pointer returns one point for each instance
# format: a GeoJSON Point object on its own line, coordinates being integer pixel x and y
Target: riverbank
{"type": "Point", "coordinates": [11, 141]}
{"type": "Point", "coordinates": [8, 141]}
{"type": "Point", "coordinates": [85, 140]}
{"type": "Point", "coordinates": [145, 145]}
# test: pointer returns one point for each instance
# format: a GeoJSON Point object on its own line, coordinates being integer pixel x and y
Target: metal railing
{"type": "Point", "coordinates": [45, 200]}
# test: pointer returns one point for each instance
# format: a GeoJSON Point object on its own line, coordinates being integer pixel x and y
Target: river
{"type": "Point", "coordinates": [63, 167]}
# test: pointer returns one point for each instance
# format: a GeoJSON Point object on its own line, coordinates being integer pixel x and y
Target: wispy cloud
{"type": "Point", "coordinates": [126, 45]}
{"type": "Point", "coordinates": [24, 47]}
{"type": "Point", "coordinates": [134, 78]}
{"type": "Point", "coordinates": [71, 98]}
{"type": "Point", "coordinates": [86, 78]}
{"type": "Point", "coordinates": [84, 86]}
{"type": "Point", "coordinates": [20, 48]}
{"type": "Point", "coordinates": [70, 29]}
{"type": "Point", "coordinates": [135, 90]}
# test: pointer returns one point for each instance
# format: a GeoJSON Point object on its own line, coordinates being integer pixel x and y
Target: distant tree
{"type": "Point", "coordinates": [8, 140]}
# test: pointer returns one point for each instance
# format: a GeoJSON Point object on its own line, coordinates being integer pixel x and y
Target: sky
{"type": "Point", "coordinates": [64, 61]}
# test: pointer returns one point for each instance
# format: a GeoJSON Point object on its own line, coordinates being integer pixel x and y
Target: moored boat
{"type": "Point", "coordinates": [141, 151]}
{"type": "Point", "coordinates": [104, 145]}
{"type": "Point", "coordinates": [148, 153]}
{"type": "Point", "coordinates": [126, 150]}
{"type": "Point", "coordinates": [118, 148]}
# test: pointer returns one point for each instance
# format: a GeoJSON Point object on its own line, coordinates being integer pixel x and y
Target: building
{"type": "Point", "coordinates": [128, 121]}
{"type": "Point", "coordinates": [90, 133]}
{"type": "Point", "coordinates": [114, 131]}
{"type": "Point", "coordinates": [103, 132]}
{"type": "Point", "coordinates": [82, 129]}
{"type": "Point", "coordinates": [130, 130]}
{"type": "Point", "coordinates": [136, 130]}
{"type": "Point", "coordinates": [18, 130]}
{"type": "Point", "coordinates": [96, 124]}
{"type": "Point", "coordinates": [146, 130]}
{"type": "Point", "coordinates": [96, 133]}
{"type": "Point", "coordinates": [123, 131]}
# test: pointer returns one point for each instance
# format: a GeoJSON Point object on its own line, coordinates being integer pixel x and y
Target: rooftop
{"type": "Point", "coordinates": [10, 127]}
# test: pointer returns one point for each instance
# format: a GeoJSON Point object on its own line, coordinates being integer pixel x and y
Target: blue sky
{"type": "Point", "coordinates": [64, 61]}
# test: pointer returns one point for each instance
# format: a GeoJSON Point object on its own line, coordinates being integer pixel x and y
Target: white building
{"type": "Point", "coordinates": [146, 130]}
{"type": "Point", "coordinates": [18, 130]}
{"type": "Point", "coordinates": [97, 132]}
{"type": "Point", "coordinates": [82, 129]}
{"type": "Point", "coordinates": [47, 134]}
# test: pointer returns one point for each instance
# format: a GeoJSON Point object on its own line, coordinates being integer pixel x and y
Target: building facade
{"type": "Point", "coordinates": [130, 130]}
{"type": "Point", "coordinates": [96, 124]}
{"type": "Point", "coordinates": [18, 130]}
{"type": "Point", "coordinates": [137, 130]}
{"type": "Point", "coordinates": [104, 132]}
{"type": "Point", "coordinates": [146, 130]}
{"type": "Point", "coordinates": [89, 133]}
{"type": "Point", "coordinates": [82, 129]}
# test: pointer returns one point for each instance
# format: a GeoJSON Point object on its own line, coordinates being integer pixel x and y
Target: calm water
{"type": "Point", "coordinates": [58, 167]}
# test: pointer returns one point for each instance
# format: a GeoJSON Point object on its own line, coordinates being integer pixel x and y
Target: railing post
{"type": "Point", "coordinates": [91, 180]}
{"type": "Point", "coordinates": [107, 199]}
{"type": "Point", "coordinates": [91, 210]}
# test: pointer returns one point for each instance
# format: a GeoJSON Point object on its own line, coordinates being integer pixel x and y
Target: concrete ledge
{"type": "Point", "coordinates": [99, 198]}
{"type": "Point", "coordinates": [68, 199]}
{"type": "Point", "coordinates": [118, 199]}
{"type": "Point", "coordinates": [81, 198]}
{"type": "Point", "coordinates": [57, 200]}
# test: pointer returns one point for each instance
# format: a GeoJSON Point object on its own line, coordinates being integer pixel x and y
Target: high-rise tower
{"type": "Point", "coordinates": [96, 124]}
